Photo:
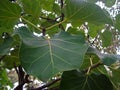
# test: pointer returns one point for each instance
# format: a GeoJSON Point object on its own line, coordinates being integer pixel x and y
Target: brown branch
{"type": "Point", "coordinates": [21, 77]}
{"type": "Point", "coordinates": [47, 85]}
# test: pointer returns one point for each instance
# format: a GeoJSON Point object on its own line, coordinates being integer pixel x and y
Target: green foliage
{"type": "Point", "coordinates": [9, 13]}
{"type": "Point", "coordinates": [106, 36]}
{"type": "Point", "coordinates": [94, 29]}
{"type": "Point", "coordinates": [81, 11]}
{"type": "Point", "coordinates": [51, 54]}
{"type": "Point", "coordinates": [4, 80]}
{"type": "Point", "coordinates": [78, 42]}
{"type": "Point", "coordinates": [73, 80]}
{"type": "Point", "coordinates": [117, 23]}
{"type": "Point", "coordinates": [6, 45]}
{"type": "Point", "coordinates": [108, 3]}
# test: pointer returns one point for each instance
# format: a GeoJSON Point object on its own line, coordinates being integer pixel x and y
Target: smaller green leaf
{"type": "Point", "coordinates": [106, 37]}
{"type": "Point", "coordinates": [6, 45]}
{"type": "Point", "coordinates": [74, 80]}
{"type": "Point", "coordinates": [9, 13]}
{"type": "Point", "coordinates": [117, 24]}
{"type": "Point", "coordinates": [94, 29]}
{"type": "Point", "coordinates": [82, 11]}
{"type": "Point", "coordinates": [109, 3]}
{"type": "Point", "coordinates": [109, 59]}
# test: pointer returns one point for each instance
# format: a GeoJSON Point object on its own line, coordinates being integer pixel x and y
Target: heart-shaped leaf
{"type": "Point", "coordinates": [82, 11]}
{"type": "Point", "coordinates": [45, 57]}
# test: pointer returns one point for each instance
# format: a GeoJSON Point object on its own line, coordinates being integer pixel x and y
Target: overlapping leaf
{"type": "Point", "coordinates": [32, 7]}
{"type": "Point", "coordinates": [9, 13]}
{"type": "Point", "coordinates": [47, 4]}
{"type": "Point", "coordinates": [107, 59]}
{"type": "Point", "coordinates": [106, 37]}
{"type": "Point", "coordinates": [73, 80]}
{"type": "Point", "coordinates": [117, 24]}
{"type": "Point", "coordinates": [108, 3]}
{"type": "Point", "coordinates": [45, 57]}
{"type": "Point", "coordinates": [5, 46]}
{"type": "Point", "coordinates": [94, 29]}
{"type": "Point", "coordinates": [81, 11]}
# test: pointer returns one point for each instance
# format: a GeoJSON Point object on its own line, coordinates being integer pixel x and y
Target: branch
{"type": "Point", "coordinates": [47, 85]}
{"type": "Point", "coordinates": [27, 21]}
{"type": "Point", "coordinates": [56, 24]}
{"type": "Point", "coordinates": [49, 19]}
{"type": "Point", "coordinates": [93, 66]}
{"type": "Point", "coordinates": [62, 14]}
{"type": "Point", "coordinates": [22, 78]}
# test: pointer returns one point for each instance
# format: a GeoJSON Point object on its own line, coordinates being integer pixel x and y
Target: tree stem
{"type": "Point", "coordinates": [27, 21]}
{"type": "Point", "coordinates": [56, 24]}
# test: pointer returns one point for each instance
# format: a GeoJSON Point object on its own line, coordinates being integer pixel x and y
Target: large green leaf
{"type": "Point", "coordinates": [74, 80]}
{"type": "Point", "coordinates": [45, 57]}
{"type": "Point", "coordinates": [9, 13]}
{"type": "Point", "coordinates": [81, 11]}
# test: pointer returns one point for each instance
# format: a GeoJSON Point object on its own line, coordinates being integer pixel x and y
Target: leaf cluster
{"type": "Point", "coordinates": [66, 44]}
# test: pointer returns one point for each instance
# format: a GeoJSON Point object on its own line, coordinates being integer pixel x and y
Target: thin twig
{"type": "Point", "coordinates": [56, 24]}
{"type": "Point", "coordinates": [93, 66]}
{"type": "Point", "coordinates": [47, 85]}
{"type": "Point", "coordinates": [31, 24]}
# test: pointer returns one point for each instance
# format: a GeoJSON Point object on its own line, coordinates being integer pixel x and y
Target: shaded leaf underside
{"type": "Point", "coordinates": [46, 57]}
{"type": "Point", "coordinates": [73, 80]}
